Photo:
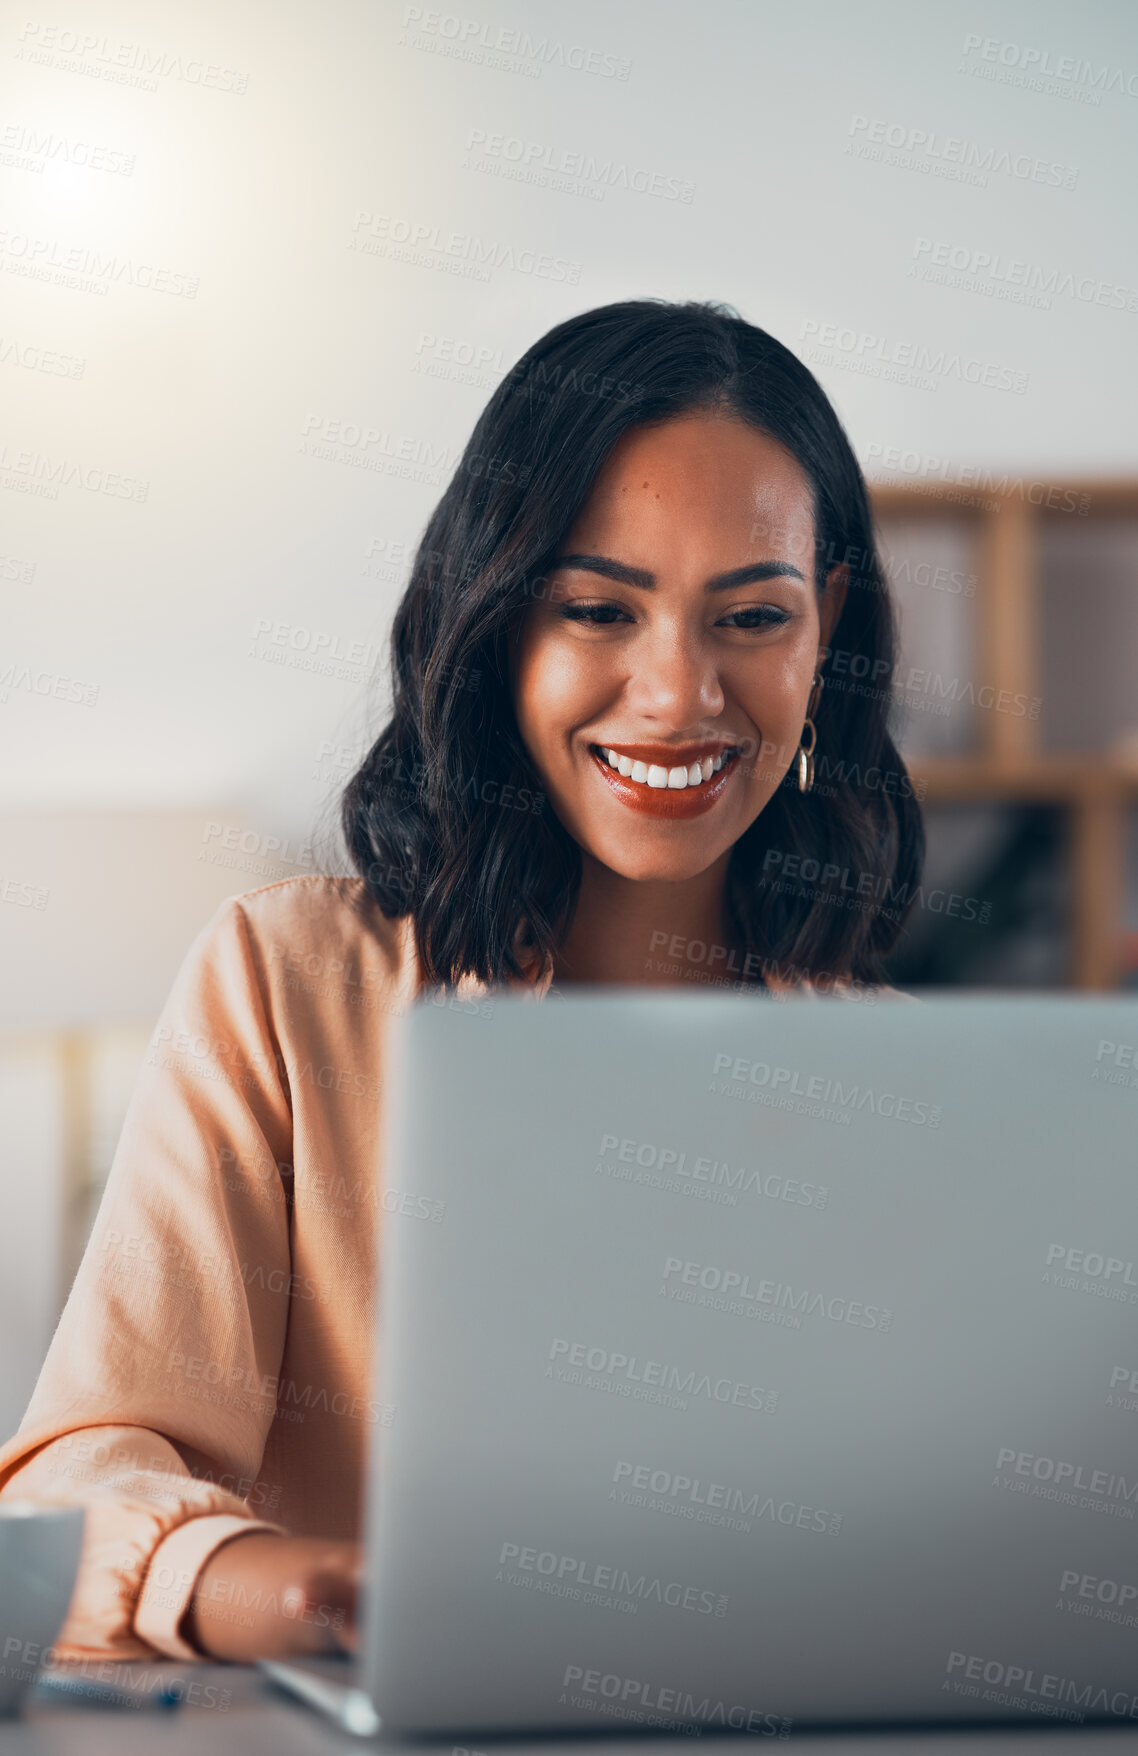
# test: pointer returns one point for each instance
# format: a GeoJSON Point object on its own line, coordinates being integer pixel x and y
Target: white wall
{"type": "Point", "coordinates": [30, 1238]}
{"type": "Point", "coordinates": [254, 194]}
{"type": "Point", "coordinates": [109, 903]}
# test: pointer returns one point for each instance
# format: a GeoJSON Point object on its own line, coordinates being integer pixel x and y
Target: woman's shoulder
{"type": "Point", "coordinates": [323, 933]}
{"type": "Point", "coordinates": [316, 897]}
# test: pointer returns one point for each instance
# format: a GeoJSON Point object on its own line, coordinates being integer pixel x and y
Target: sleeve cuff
{"type": "Point", "coordinates": [173, 1570]}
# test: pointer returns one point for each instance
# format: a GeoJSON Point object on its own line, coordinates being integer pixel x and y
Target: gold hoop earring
{"type": "Point", "coordinates": [806, 750]}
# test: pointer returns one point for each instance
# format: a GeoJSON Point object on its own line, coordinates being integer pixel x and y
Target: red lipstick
{"type": "Point", "coordinates": [673, 802]}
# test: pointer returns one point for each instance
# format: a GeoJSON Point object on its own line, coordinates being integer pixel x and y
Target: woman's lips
{"type": "Point", "coordinates": [666, 801]}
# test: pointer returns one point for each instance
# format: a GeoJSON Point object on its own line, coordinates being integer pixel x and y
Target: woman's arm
{"type": "Point", "coordinates": [158, 1389]}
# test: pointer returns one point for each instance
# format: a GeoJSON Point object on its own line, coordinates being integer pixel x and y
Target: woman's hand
{"type": "Point", "coordinates": [266, 1596]}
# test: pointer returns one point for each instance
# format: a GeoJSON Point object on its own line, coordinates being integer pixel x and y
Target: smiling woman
{"type": "Point", "coordinates": [674, 539]}
{"type": "Point", "coordinates": [656, 536]}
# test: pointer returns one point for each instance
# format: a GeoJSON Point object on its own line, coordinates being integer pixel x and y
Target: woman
{"type": "Point", "coordinates": [656, 537]}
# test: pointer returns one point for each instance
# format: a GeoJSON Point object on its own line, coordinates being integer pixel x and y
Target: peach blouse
{"type": "Point", "coordinates": [210, 1373]}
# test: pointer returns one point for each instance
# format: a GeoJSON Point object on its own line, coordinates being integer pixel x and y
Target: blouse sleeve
{"type": "Point", "coordinates": [158, 1389]}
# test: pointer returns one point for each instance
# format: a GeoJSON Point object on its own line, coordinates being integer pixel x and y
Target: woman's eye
{"type": "Point", "coordinates": [600, 615]}
{"type": "Point", "coordinates": [762, 616]}
{"type": "Point", "coordinates": [604, 615]}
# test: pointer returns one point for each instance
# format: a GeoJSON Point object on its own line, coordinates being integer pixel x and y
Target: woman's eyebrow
{"type": "Point", "coordinates": [625, 575]}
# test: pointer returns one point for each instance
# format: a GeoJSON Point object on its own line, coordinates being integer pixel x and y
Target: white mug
{"type": "Point", "coordinates": [39, 1560]}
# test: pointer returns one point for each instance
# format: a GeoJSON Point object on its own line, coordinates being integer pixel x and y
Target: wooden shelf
{"type": "Point", "coordinates": [1102, 494]}
{"type": "Point", "coordinates": [1002, 525]}
{"type": "Point", "coordinates": [1058, 779]}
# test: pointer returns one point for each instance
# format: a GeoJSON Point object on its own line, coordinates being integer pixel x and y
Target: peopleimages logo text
{"type": "Point", "coordinates": [605, 1363]}
{"type": "Point", "coordinates": [1026, 1681]}
{"type": "Point", "coordinates": [1041, 64]}
{"type": "Point", "coordinates": [1033, 276]}
{"type": "Point", "coordinates": [680, 1704]}
{"type": "Point", "coordinates": [818, 1087]}
{"type": "Point", "coordinates": [607, 1577]}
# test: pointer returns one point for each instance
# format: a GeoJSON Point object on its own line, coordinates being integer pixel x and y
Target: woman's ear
{"type": "Point", "coordinates": [832, 602]}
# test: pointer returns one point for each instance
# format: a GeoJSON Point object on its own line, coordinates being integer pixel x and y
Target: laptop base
{"type": "Point", "coordinates": [327, 1682]}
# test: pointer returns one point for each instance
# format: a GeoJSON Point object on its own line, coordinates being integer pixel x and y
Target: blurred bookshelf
{"type": "Point", "coordinates": [1016, 711]}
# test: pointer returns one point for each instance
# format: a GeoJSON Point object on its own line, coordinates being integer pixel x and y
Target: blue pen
{"type": "Point", "coordinates": [106, 1694]}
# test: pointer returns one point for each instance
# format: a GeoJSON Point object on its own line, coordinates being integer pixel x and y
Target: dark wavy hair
{"type": "Point", "coordinates": [481, 878]}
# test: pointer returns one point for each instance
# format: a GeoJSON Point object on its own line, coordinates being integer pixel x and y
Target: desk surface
{"type": "Point", "coordinates": [257, 1720]}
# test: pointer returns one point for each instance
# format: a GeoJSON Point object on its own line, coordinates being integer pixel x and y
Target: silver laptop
{"type": "Point", "coordinates": [765, 1366]}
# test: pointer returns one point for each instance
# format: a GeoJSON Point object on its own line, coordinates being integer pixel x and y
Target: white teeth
{"type": "Point", "coordinates": [657, 776]}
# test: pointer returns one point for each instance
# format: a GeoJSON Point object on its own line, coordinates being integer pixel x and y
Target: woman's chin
{"type": "Point", "coordinates": [653, 865]}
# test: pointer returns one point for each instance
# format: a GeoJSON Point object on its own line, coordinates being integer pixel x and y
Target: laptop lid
{"type": "Point", "coordinates": [757, 1364]}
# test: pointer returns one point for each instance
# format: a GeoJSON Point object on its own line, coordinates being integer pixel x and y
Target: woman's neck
{"type": "Point", "coordinates": [651, 933]}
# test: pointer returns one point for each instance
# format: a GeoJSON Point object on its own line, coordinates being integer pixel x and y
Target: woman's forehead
{"type": "Point", "coordinates": [714, 475]}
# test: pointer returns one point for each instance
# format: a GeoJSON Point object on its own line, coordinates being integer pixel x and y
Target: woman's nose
{"type": "Point", "coordinates": [674, 677]}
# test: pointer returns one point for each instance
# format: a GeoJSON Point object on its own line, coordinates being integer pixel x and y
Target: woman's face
{"type": "Point", "coordinates": [650, 641]}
